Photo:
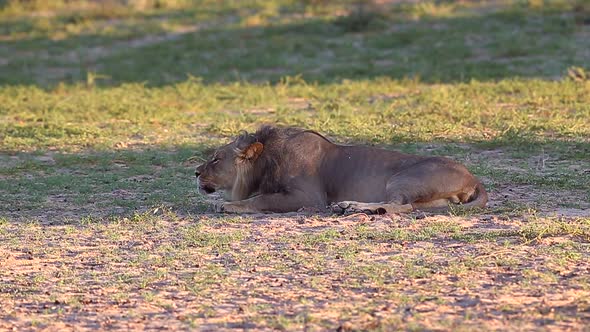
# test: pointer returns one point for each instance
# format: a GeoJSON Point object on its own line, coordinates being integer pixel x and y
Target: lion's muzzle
{"type": "Point", "coordinates": [204, 188]}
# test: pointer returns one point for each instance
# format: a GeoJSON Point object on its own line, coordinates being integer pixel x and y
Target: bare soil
{"type": "Point", "coordinates": [293, 272]}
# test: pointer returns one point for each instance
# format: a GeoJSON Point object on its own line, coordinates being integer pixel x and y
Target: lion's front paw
{"type": "Point", "coordinates": [219, 207]}
{"type": "Point", "coordinates": [335, 208]}
{"type": "Point", "coordinates": [348, 207]}
{"type": "Point", "coordinates": [229, 207]}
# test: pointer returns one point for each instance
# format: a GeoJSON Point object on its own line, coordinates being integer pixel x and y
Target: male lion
{"type": "Point", "coordinates": [286, 169]}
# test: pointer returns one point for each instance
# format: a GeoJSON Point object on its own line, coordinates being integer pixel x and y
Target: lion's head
{"type": "Point", "coordinates": [229, 169]}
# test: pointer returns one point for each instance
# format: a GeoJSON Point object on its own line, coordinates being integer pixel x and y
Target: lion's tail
{"type": "Point", "coordinates": [479, 198]}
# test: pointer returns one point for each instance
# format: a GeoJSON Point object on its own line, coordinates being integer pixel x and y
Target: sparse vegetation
{"type": "Point", "coordinates": [106, 107]}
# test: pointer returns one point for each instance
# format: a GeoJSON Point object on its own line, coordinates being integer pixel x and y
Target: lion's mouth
{"type": "Point", "coordinates": [204, 188]}
{"type": "Point", "coordinates": [207, 189]}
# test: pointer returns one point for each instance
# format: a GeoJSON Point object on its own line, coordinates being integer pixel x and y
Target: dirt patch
{"type": "Point", "coordinates": [546, 202]}
{"type": "Point", "coordinates": [509, 192]}
{"type": "Point", "coordinates": [278, 272]}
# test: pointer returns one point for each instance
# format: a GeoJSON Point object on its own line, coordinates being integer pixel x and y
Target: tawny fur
{"type": "Point", "coordinates": [285, 169]}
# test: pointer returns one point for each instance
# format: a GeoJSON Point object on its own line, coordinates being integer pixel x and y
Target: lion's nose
{"type": "Point", "coordinates": [197, 173]}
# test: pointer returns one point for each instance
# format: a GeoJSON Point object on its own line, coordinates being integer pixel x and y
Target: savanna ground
{"type": "Point", "coordinates": [107, 107]}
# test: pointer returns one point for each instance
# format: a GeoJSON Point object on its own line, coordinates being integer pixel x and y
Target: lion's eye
{"type": "Point", "coordinates": [215, 161]}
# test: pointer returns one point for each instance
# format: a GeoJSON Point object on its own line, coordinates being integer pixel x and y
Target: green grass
{"type": "Point", "coordinates": [107, 107]}
{"type": "Point", "coordinates": [263, 41]}
{"type": "Point", "coordinates": [132, 134]}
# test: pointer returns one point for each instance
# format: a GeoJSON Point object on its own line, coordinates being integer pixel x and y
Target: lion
{"type": "Point", "coordinates": [279, 169]}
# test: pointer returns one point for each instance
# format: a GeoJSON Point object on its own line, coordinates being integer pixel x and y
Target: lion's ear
{"type": "Point", "coordinates": [252, 151]}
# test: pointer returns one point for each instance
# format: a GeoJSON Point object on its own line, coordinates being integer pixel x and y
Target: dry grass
{"type": "Point", "coordinates": [297, 272]}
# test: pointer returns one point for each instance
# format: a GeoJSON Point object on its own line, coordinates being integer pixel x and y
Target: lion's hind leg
{"type": "Point", "coordinates": [433, 185]}
{"type": "Point", "coordinates": [347, 207]}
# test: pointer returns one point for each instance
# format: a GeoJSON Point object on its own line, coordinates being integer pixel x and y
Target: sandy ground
{"type": "Point", "coordinates": [163, 271]}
